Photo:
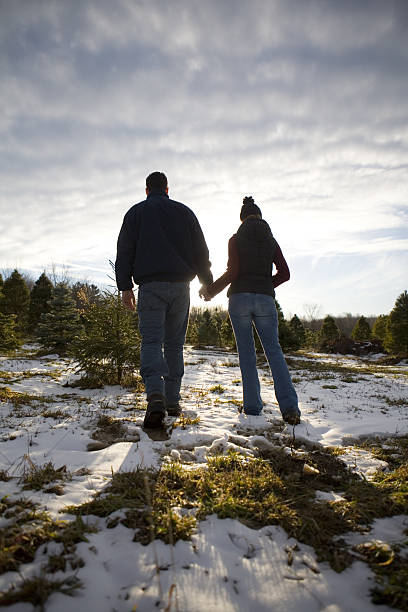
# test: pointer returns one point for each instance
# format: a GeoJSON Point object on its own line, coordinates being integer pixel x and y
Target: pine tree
{"type": "Point", "coordinates": [206, 330]}
{"type": "Point", "coordinates": [329, 334]}
{"type": "Point", "coordinates": [16, 299]}
{"type": "Point", "coordinates": [85, 294]}
{"type": "Point", "coordinates": [380, 327]}
{"type": "Point", "coordinates": [361, 331]}
{"type": "Point", "coordinates": [109, 350]}
{"type": "Point", "coordinates": [396, 339]}
{"type": "Point", "coordinates": [40, 295]}
{"type": "Point", "coordinates": [298, 331]}
{"type": "Point", "coordinates": [227, 334]}
{"type": "Point", "coordinates": [59, 327]}
{"type": "Point", "coordinates": [8, 336]}
{"type": "Point", "coordinates": [287, 339]}
{"type": "Point", "coordinates": [192, 334]}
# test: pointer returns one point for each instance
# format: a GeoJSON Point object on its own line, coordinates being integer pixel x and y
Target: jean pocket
{"type": "Point", "coordinates": [148, 300]}
{"type": "Point", "coordinates": [239, 305]}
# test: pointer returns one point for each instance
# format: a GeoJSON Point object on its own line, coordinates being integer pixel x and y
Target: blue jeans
{"type": "Point", "coordinates": [163, 309]}
{"type": "Point", "coordinates": [259, 309]}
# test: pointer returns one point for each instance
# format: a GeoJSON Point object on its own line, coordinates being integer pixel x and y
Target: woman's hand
{"type": "Point", "coordinates": [203, 293]}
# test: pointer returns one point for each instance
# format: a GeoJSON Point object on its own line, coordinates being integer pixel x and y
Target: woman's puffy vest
{"type": "Point", "coordinates": [256, 249]}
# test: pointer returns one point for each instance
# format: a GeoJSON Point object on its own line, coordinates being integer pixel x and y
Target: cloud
{"type": "Point", "coordinates": [301, 104]}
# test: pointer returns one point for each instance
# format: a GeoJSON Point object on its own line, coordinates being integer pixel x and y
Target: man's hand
{"type": "Point", "coordinates": [203, 293]}
{"type": "Point", "coordinates": [128, 299]}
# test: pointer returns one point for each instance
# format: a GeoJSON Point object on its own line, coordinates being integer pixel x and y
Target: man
{"type": "Point", "coordinates": [162, 248]}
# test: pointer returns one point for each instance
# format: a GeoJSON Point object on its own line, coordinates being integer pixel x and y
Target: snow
{"type": "Point", "coordinates": [226, 566]}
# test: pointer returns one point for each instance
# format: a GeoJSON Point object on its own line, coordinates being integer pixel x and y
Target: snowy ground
{"type": "Point", "coordinates": [226, 566]}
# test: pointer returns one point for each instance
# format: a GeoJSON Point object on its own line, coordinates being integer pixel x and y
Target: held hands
{"type": "Point", "coordinates": [128, 299]}
{"type": "Point", "coordinates": [203, 293]}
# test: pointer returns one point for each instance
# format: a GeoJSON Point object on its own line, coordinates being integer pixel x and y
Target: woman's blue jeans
{"type": "Point", "coordinates": [258, 309]}
{"type": "Point", "coordinates": [163, 309]}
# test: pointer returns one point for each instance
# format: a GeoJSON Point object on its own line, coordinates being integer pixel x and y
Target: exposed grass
{"type": "Point", "coordinates": [12, 377]}
{"type": "Point", "coordinates": [342, 369]}
{"type": "Point", "coordinates": [217, 389]}
{"type": "Point", "coordinates": [17, 398]}
{"type": "Point", "coordinates": [391, 572]}
{"type": "Point", "coordinates": [390, 401]}
{"type": "Point", "coordinates": [4, 476]}
{"type": "Point", "coordinates": [28, 528]}
{"type": "Point", "coordinates": [38, 477]}
{"type": "Point", "coordinates": [393, 450]}
{"type": "Point", "coordinates": [129, 381]}
{"type": "Point", "coordinates": [108, 429]}
{"type": "Point", "coordinates": [37, 590]}
{"type": "Point", "coordinates": [184, 421]}
{"type": "Point", "coordinates": [53, 414]}
{"type": "Point", "coordinates": [145, 509]}
{"type": "Point", "coordinates": [273, 489]}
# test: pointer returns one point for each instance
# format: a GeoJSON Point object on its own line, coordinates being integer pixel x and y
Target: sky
{"type": "Point", "coordinates": [300, 103]}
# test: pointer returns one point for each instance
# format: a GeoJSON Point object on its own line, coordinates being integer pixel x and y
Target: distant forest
{"type": "Point", "coordinates": [78, 319]}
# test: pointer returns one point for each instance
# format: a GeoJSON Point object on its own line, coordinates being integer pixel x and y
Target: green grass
{"type": "Point", "coordinates": [37, 590]}
{"type": "Point", "coordinates": [38, 477]}
{"type": "Point", "coordinates": [26, 529]}
{"type": "Point", "coordinates": [54, 414]}
{"type": "Point", "coordinates": [315, 366]}
{"type": "Point", "coordinates": [17, 398]}
{"type": "Point", "coordinates": [217, 389]}
{"type": "Point", "coordinates": [269, 490]}
{"type": "Point", "coordinates": [109, 429]}
{"type": "Point", "coordinates": [184, 421]}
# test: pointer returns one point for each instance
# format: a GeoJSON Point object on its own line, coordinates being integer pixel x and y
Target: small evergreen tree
{"type": "Point", "coordinates": [329, 334]}
{"type": "Point", "coordinates": [85, 294]}
{"type": "Point", "coordinates": [298, 331]}
{"type": "Point", "coordinates": [40, 296]}
{"type": "Point", "coordinates": [192, 334]}
{"type": "Point", "coordinates": [59, 327]}
{"type": "Point", "coordinates": [8, 335]}
{"type": "Point", "coordinates": [218, 320]}
{"type": "Point", "coordinates": [361, 331]}
{"type": "Point", "coordinates": [227, 334]}
{"type": "Point", "coordinates": [206, 330]}
{"type": "Point", "coordinates": [380, 328]}
{"type": "Point", "coordinates": [396, 339]}
{"type": "Point", "coordinates": [16, 299]}
{"type": "Point", "coordinates": [109, 350]}
{"type": "Point", "coordinates": [287, 339]}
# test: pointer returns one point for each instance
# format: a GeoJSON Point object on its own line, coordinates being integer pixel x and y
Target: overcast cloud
{"type": "Point", "coordinates": [302, 104]}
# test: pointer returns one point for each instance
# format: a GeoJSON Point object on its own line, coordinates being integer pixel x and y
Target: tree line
{"type": "Point", "coordinates": [92, 326]}
{"type": "Point", "coordinates": [387, 333]}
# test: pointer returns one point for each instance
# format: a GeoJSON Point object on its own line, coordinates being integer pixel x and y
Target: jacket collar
{"type": "Point", "coordinates": [155, 194]}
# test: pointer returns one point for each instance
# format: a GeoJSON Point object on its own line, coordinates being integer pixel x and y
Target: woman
{"type": "Point", "coordinates": [252, 251]}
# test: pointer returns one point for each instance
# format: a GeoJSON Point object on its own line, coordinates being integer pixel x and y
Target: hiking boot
{"type": "Point", "coordinates": [155, 412]}
{"type": "Point", "coordinates": [292, 418]}
{"type": "Point", "coordinates": [174, 410]}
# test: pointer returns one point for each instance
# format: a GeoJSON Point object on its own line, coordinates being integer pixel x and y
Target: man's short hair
{"type": "Point", "coordinates": [156, 181]}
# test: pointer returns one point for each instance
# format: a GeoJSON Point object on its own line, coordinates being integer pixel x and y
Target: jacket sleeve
{"type": "Point", "coordinates": [232, 270]}
{"type": "Point", "coordinates": [201, 253]}
{"type": "Point", "coordinates": [282, 270]}
{"type": "Point", "coordinates": [125, 255]}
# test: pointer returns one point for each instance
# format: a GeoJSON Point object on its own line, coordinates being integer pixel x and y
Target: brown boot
{"type": "Point", "coordinates": [155, 412]}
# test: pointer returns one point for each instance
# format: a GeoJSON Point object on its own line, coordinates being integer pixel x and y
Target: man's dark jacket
{"type": "Point", "coordinates": [161, 240]}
